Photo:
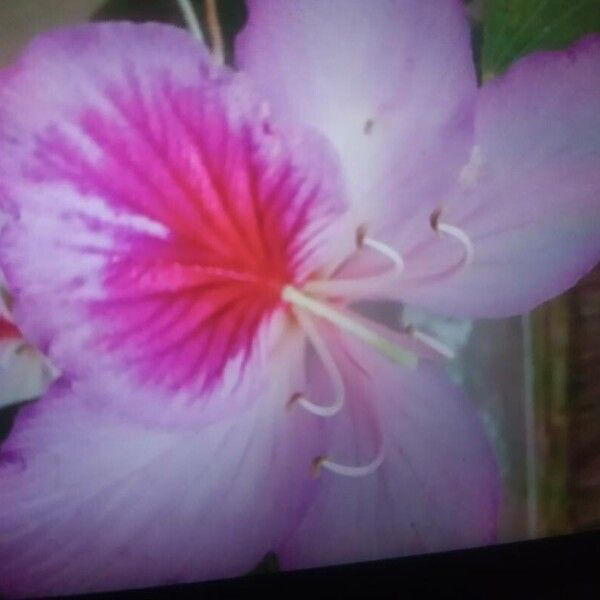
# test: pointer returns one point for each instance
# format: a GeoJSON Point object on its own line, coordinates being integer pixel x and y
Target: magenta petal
{"type": "Point", "coordinates": [391, 84]}
{"type": "Point", "coordinates": [90, 502]}
{"type": "Point", "coordinates": [156, 214]}
{"type": "Point", "coordinates": [437, 489]}
{"type": "Point", "coordinates": [529, 199]}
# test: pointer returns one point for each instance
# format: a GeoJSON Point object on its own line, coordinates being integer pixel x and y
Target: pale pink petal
{"type": "Point", "coordinates": [91, 502]}
{"type": "Point", "coordinates": [529, 199]}
{"type": "Point", "coordinates": [437, 488]}
{"type": "Point", "coordinates": [391, 83]}
{"type": "Point", "coordinates": [156, 213]}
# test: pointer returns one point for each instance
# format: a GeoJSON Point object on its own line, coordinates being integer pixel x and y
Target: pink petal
{"type": "Point", "coordinates": [90, 502]}
{"type": "Point", "coordinates": [391, 84]}
{"type": "Point", "coordinates": [437, 489]}
{"type": "Point", "coordinates": [156, 214]}
{"type": "Point", "coordinates": [530, 197]}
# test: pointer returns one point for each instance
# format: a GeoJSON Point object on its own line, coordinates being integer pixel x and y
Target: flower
{"type": "Point", "coordinates": [184, 242]}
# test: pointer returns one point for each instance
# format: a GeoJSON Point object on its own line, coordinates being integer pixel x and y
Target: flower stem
{"type": "Point", "coordinates": [214, 31]}
{"type": "Point", "coordinates": [190, 18]}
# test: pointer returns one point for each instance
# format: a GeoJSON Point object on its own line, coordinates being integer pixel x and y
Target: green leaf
{"type": "Point", "coordinates": [514, 28]}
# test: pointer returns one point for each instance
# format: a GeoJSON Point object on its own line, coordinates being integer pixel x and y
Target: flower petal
{"type": "Point", "coordinates": [91, 502]}
{"type": "Point", "coordinates": [437, 488]}
{"type": "Point", "coordinates": [529, 199]}
{"type": "Point", "coordinates": [156, 213]}
{"type": "Point", "coordinates": [391, 83]}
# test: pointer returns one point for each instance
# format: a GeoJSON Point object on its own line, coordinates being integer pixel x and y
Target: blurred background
{"type": "Point", "coordinates": [534, 379]}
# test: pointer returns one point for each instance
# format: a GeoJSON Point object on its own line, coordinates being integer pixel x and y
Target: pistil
{"type": "Point", "coordinates": [345, 322]}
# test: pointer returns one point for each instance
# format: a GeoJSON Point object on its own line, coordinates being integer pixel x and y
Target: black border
{"type": "Point", "coordinates": [557, 567]}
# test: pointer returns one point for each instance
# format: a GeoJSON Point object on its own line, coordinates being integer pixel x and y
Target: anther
{"type": "Point", "coordinates": [455, 232]}
{"type": "Point", "coordinates": [363, 240]}
{"type": "Point", "coordinates": [434, 218]}
{"type": "Point", "coordinates": [356, 287]}
{"type": "Point", "coordinates": [361, 234]}
{"type": "Point", "coordinates": [294, 399]}
{"type": "Point", "coordinates": [323, 462]}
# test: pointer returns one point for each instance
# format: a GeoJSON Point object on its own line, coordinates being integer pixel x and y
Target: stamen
{"type": "Point", "coordinates": [347, 323]}
{"type": "Point", "coordinates": [323, 353]}
{"type": "Point", "coordinates": [356, 287]}
{"type": "Point", "coordinates": [190, 18]}
{"type": "Point", "coordinates": [431, 342]}
{"type": "Point", "coordinates": [462, 237]}
{"type": "Point", "coordinates": [387, 251]}
{"type": "Point", "coordinates": [347, 470]}
{"type": "Point", "coordinates": [455, 232]}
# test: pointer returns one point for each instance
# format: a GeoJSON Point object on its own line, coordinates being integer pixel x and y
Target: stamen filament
{"type": "Point", "coordinates": [432, 342]}
{"type": "Point", "coordinates": [356, 287]}
{"type": "Point", "coordinates": [323, 353]}
{"type": "Point", "coordinates": [386, 250]}
{"type": "Point", "coordinates": [326, 311]}
{"type": "Point", "coordinates": [348, 470]}
{"type": "Point", "coordinates": [462, 237]}
{"type": "Point", "coordinates": [190, 18]}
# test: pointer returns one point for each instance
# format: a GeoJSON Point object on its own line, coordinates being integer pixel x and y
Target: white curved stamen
{"type": "Point", "coordinates": [347, 323]}
{"type": "Point", "coordinates": [190, 18]}
{"type": "Point", "coordinates": [356, 286]}
{"type": "Point", "coordinates": [387, 251]}
{"type": "Point", "coordinates": [461, 236]}
{"type": "Point", "coordinates": [348, 470]}
{"type": "Point", "coordinates": [332, 370]}
{"type": "Point", "coordinates": [431, 342]}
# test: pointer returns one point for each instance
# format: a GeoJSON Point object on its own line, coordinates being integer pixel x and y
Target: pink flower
{"type": "Point", "coordinates": [184, 243]}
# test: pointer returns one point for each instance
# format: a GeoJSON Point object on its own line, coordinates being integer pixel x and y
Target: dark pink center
{"type": "Point", "coordinates": [206, 213]}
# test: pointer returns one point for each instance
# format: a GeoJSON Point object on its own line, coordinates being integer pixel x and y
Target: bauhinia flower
{"type": "Point", "coordinates": [188, 242]}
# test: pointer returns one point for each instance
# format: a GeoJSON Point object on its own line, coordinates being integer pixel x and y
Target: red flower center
{"type": "Point", "coordinates": [200, 211]}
